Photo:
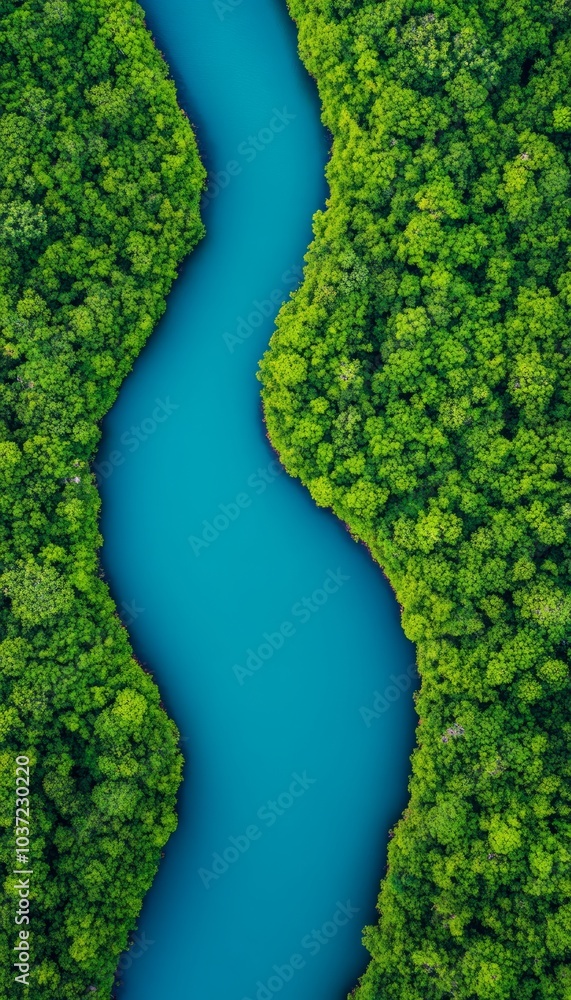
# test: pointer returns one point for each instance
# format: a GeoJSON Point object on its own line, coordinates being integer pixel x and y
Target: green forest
{"type": "Point", "coordinates": [419, 384]}
{"type": "Point", "coordinates": [100, 183]}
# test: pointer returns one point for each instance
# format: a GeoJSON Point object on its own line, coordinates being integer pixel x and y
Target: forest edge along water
{"type": "Point", "coordinates": [220, 562]}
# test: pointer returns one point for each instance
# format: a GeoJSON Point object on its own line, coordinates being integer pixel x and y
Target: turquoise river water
{"type": "Point", "coordinates": [267, 628]}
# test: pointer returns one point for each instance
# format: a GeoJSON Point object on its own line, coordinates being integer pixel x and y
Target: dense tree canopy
{"type": "Point", "coordinates": [99, 189]}
{"type": "Point", "coordinates": [419, 384]}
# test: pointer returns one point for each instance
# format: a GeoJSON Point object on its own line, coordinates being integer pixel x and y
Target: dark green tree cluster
{"type": "Point", "coordinates": [419, 384]}
{"type": "Point", "coordinates": [100, 183]}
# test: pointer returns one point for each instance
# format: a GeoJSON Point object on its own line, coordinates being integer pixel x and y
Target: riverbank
{"type": "Point", "coordinates": [101, 184]}
{"type": "Point", "coordinates": [417, 386]}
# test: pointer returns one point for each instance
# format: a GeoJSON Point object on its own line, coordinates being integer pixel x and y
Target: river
{"type": "Point", "coordinates": [267, 628]}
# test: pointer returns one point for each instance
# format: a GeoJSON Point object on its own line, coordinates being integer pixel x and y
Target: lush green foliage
{"type": "Point", "coordinates": [419, 384]}
{"type": "Point", "coordinates": [99, 188]}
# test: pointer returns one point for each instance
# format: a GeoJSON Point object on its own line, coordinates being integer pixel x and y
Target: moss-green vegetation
{"type": "Point", "coordinates": [99, 188]}
{"type": "Point", "coordinates": [419, 384]}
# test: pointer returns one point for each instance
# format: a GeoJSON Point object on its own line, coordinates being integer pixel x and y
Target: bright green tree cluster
{"type": "Point", "coordinates": [100, 183]}
{"type": "Point", "coordinates": [419, 384]}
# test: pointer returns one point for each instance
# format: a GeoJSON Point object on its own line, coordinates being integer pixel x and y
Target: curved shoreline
{"type": "Point", "coordinates": [417, 385]}
{"type": "Point", "coordinates": [86, 266]}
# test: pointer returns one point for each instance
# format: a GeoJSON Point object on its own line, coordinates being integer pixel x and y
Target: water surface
{"type": "Point", "coordinates": [270, 631]}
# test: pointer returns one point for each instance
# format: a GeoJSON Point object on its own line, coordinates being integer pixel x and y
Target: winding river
{"type": "Point", "coordinates": [268, 629]}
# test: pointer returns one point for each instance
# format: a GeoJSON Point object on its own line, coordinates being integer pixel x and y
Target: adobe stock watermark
{"type": "Point", "coordinates": [224, 8]}
{"type": "Point", "coordinates": [268, 814]}
{"type": "Point", "coordinates": [261, 310]}
{"type": "Point", "coordinates": [139, 945]}
{"type": "Point", "coordinates": [310, 946]}
{"type": "Point", "coordinates": [129, 612]}
{"type": "Point", "coordinates": [135, 437]}
{"type": "Point", "coordinates": [382, 701]}
{"type": "Point", "coordinates": [302, 611]}
{"type": "Point", "coordinates": [227, 513]}
{"type": "Point", "coordinates": [247, 151]}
